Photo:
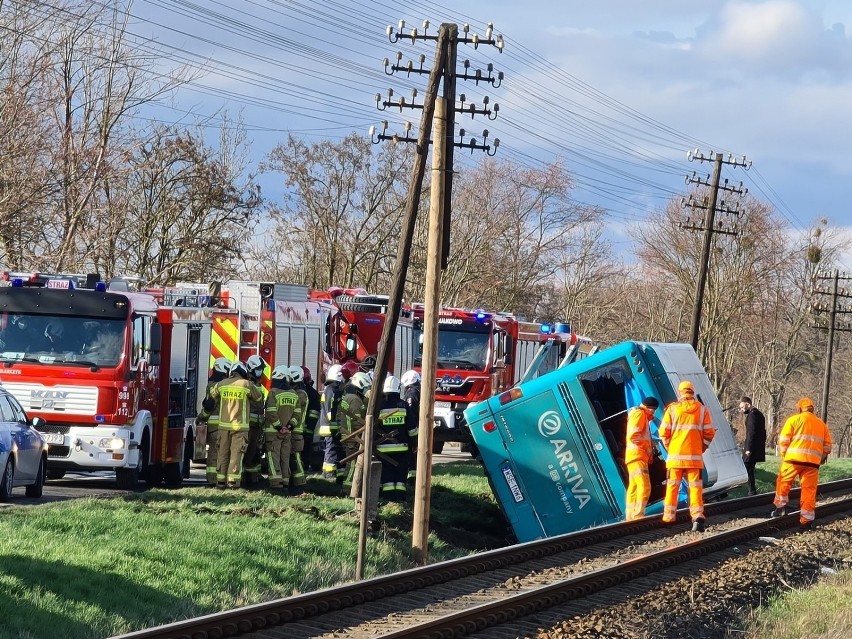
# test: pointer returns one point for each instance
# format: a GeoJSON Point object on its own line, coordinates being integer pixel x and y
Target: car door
{"type": "Point", "coordinates": [23, 437]}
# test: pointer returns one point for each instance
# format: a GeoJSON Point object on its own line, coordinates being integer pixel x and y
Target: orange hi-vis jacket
{"type": "Point", "coordinates": [804, 439]}
{"type": "Point", "coordinates": [638, 445]}
{"type": "Point", "coordinates": [686, 433]}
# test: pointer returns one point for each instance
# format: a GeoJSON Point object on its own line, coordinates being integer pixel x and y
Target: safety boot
{"type": "Point", "coordinates": [698, 525]}
{"type": "Point", "coordinates": [778, 512]}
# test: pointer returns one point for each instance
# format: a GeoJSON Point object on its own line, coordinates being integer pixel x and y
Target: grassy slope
{"type": "Point", "coordinates": [90, 568]}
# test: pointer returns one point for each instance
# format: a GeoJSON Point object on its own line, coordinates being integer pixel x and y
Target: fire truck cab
{"type": "Point", "coordinates": [114, 374]}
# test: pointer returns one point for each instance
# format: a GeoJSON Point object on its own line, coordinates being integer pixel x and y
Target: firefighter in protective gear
{"type": "Point", "coordinates": [410, 381]}
{"type": "Point", "coordinates": [254, 448]}
{"type": "Point", "coordinates": [297, 466]}
{"type": "Point", "coordinates": [351, 413]}
{"type": "Point", "coordinates": [221, 366]}
{"type": "Point", "coordinates": [638, 454]}
{"type": "Point", "coordinates": [234, 394]}
{"type": "Point", "coordinates": [686, 432]}
{"type": "Point", "coordinates": [278, 425]}
{"type": "Point", "coordinates": [391, 435]}
{"type": "Point", "coordinates": [328, 426]}
{"type": "Point", "coordinates": [804, 445]}
{"type": "Point", "coordinates": [314, 409]}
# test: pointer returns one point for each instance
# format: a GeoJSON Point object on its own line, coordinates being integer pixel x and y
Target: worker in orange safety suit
{"type": "Point", "coordinates": [803, 444]}
{"type": "Point", "coordinates": [638, 454]}
{"type": "Point", "coordinates": [686, 432]}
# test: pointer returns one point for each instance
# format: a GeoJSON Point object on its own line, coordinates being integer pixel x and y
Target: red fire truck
{"type": "Point", "coordinates": [114, 373]}
{"type": "Point", "coordinates": [481, 354]}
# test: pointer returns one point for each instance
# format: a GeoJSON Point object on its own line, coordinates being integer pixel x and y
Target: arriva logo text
{"type": "Point", "coordinates": [570, 472]}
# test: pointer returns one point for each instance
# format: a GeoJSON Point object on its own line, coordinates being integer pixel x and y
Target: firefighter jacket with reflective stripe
{"type": "Point", "coordinates": [211, 417]}
{"type": "Point", "coordinates": [257, 410]}
{"type": "Point", "coordinates": [314, 408]}
{"type": "Point", "coordinates": [804, 439]}
{"type": "Point", "coordinates": [686, 433]}
{"type": "Point", "coordinates": [280, 408]}
{"type": "Point", "coordinates": [329, 403]}
{"type": "Point", "coordinates": [392, 429]}
{"type": "Point", "coordinates": [234, 395]}
{"type": "Point", "coordinates": [412, 399]}
{"type": "Point", "coordinates": [638, 444]}
{"type": "Point", "coordinates": [351, 411]}
{"type": "Point", "coordinates": [301, 410]}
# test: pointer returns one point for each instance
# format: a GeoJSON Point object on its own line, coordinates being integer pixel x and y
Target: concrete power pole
{"type": "Point", "coordinates": [709, 226]}
{"type": "Point", "coordinates": [826, 319]}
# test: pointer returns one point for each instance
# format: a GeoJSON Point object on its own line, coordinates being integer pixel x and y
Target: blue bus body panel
{"type": "Point", "coordinates": [554, 456]}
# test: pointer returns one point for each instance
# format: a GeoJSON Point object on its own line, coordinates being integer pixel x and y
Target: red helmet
{"type": "Point", "coordinates": [307, 373]}
{"type": "Point", "coordinates": [348, 370]}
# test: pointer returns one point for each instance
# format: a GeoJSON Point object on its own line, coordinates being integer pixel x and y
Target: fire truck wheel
{"type": "Point", "coordinates": [437, 448]}
{"type": "Point", "coordinates": [55, 473]}
{"type": "Point", "coordinates": [128, 478]}
{"type": "Point", "coordinates": [36, 489]}
{"type": "Point", "coordinates": [361, 303]}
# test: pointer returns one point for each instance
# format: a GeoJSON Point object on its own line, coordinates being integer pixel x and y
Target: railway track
{"type": "Point", "coordinates": [490, 594]}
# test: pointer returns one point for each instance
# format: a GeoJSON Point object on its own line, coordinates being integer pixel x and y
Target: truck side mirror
{"type": "Point", "coordinates": [507, 358]}
{"type": "Point", "coordinates": [351, 347]}
{"type": "Point", "coordinates": [155, 344]}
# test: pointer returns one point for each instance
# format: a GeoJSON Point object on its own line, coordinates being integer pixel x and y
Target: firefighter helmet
{"type": "Point", "coordinates": [409, 378]}
{"type": "Point", "coordinates": [361, 381]}
{"type": "Point", "coordinates": [392, 384]}
{"type": "Point", "coordinates": [333, 374]}
{"type": "Point", "coordinates": [348, 369]}
{"type": "Point", "coordinates": [222, 365]}
{"type": "Point", "coordinates": [238, 368]}
{"type": "Point", "coordinates": [255, 365]}
{"type": "Point", "coordinates": [281, 371]}
{"type": "Point", "coordinates": [296, 374]}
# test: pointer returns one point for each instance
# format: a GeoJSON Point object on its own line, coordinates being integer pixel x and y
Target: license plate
{"type": "Point", "coordinates": [442, 406]}
{"type": "Point", "coordinates": [54, 438]}
{"type": "Point", "coordinates": [517, 495]}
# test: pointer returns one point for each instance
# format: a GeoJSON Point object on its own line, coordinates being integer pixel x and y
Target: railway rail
{"type": "Point", "coordinates": [477, 595]}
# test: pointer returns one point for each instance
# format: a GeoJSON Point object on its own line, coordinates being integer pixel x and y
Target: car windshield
{"type": "Point", "coordinates": [458, 349]}
{"type": "Point", "coordinates": [46, 339]}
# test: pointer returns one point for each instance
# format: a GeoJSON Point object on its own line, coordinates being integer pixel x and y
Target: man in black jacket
{"type": "Point", "coordinates": [754, 447]}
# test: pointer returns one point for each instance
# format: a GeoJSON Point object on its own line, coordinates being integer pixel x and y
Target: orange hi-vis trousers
{"type": "Point", "coordinates": [638, 490]}
{"type": "Point", "coordinates": [696, 493]}
{"type": "Point", "coordinates": [809, 478]}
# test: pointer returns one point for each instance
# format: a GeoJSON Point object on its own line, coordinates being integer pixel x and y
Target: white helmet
{"type": "Point", "coordinates": [281, 371]}
{"type": "Point", "coordinates": [296, 374]}
{"type": "Point", "coordinates": [361, 380]}
{"type": "Point", "coordinates": [392, 384]}
{"type": "Point", "coordinates": [222, 365]}
{"type": "Point", "coordinates": [255, 365]}
{"type": "Point", "coordinates": [333, 374]}
{"type": "Point", "coordinates": [409, 378]}
{"type": "Point", "coordinates": [238, 368]}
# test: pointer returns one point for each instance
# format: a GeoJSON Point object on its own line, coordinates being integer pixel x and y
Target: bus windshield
{"type": "Point", "coordinates": [457, 348]}
{"type": "Point", "coordinates": [61, 339]}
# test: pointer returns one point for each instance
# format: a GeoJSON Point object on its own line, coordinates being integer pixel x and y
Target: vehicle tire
{"type": "Point", "coordinates": [174, 474]}
{"type": "Point", "coordinates": [128, 478]}
{"type": "Point", "coordinates": [37, 489]}
{"type": "Point", "coordinates": [470, 447]}
{"type": "Point", "coordinates": [437, 448]}
{"type": "Point", "coordinates": [55, 473]}
{"type": "Point", "coordinates": [7, 481]}
{"type": "Point", "coordinates": [361, 303]}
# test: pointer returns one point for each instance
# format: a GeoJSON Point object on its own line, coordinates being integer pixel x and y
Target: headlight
{"type": "Point", "coordinates": [112, 443]}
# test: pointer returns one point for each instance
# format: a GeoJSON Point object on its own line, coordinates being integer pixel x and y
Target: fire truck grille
{"type": "Point", "coordinates": [61, 429]}
{"type": "Point", "coordinates": [451, 390]}
{"type": "Point", "coordinates": [58, 451]}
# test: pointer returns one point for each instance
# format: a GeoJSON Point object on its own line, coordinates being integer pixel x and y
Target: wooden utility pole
{"type": "Point", "coordinates": [709, 225]}
{"type": "Point", "coordinates": [428, 370]}
{"type": "Point", "coordinates": [827, 320]}
{"type": "Point", "coordinates": [400, 268]}
{"type": "Point", "coordinates": [704, 265]}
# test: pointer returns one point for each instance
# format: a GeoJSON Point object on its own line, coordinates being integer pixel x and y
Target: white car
{"type": "Point", "coordinates": [23, 450]}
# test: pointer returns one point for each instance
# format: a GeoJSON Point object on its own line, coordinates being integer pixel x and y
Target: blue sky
{"type": "Point", "coordinates": [618, 90]}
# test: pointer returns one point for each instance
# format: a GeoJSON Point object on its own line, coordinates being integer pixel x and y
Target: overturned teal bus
{"type": "Point", "coordinates": [553, 447]}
